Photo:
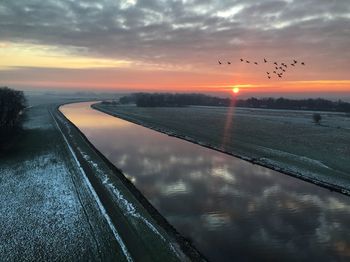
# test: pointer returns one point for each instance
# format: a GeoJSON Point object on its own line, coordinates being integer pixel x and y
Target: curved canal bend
{"type": "Point", "coordinates": [230, 208]}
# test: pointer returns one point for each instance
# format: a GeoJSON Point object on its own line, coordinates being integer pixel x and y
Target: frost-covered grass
{"type": "Point", "coordinates": [41, 214]}
{"type": "Point", "coordinates": [285, 139]}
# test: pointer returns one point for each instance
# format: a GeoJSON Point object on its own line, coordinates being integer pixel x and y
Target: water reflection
{"type": "Point", "coordinates": [229, 208]}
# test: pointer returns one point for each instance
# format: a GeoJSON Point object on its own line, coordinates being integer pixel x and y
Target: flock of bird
{"type": "Point", "coordinates": [279, 68]}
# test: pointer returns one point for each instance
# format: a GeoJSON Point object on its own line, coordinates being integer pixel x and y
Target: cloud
{"type": "Point", "coordinates": [192, 33]}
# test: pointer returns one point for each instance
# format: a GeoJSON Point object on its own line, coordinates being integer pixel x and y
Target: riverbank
{"type": "Point", "coordinates": [47, 211]}
{"type": "Point", "coordinates": [282, 140]}
{"type": "Point", "coordinates": [62, 200]}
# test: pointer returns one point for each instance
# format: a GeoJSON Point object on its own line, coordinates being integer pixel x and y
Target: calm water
{"type": "Point", "coordinates": [229, 208]}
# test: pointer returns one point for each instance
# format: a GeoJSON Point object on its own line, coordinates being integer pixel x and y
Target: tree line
{"type": "Point", "coordinates": [173, 100]}
{"type": "Point", "coordinates": [317, 104]}
{"type": "Point", "coordinates": [12, 103]}
{"type": "Point", "coordinates": [178, 100]}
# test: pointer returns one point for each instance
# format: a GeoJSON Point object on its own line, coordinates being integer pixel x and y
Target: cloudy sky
{"type": "Point", "coordinates": [175, 45]}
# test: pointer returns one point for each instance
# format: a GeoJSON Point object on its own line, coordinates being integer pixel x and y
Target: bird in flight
{"type": "Point", "coordinates": [277, 68]}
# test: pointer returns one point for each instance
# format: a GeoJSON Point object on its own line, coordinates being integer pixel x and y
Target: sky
{"type": "Point", "coordinates": [148, 45]}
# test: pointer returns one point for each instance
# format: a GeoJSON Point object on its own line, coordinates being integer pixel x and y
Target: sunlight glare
{"type": "Point", "coordinates": [235, 90]}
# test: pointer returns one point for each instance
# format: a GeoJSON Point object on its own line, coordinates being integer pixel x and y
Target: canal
{"type": "Point", "coordinates": [229, 208]}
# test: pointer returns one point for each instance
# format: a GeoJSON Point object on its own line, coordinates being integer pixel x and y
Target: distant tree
{"type": "Point", "coordinates": [12, 103]}
{"type": "Point", "coordinates": [130, 99]}
{"type": "Point", "coordinates": [317, 118]}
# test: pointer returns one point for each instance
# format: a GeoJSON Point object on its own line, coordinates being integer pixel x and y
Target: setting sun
{"type": "Point", "coordinates": [235, 90]}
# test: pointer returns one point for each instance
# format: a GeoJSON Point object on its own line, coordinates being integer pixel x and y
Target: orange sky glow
{"type": "Point", "coordinates": [39, 66]}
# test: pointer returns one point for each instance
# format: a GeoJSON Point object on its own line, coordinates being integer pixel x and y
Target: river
{"type": "Point", "coordinates": [229, 208]}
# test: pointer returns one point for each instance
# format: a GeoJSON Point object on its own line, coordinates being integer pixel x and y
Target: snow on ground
{"type": "Point", "coordinates": [41, 217]}
{"type": "Point", "coordinates": [41, 214]}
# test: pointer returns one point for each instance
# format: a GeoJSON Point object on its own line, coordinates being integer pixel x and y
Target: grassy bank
{"type": "Point", "coordinates": [284, 140]}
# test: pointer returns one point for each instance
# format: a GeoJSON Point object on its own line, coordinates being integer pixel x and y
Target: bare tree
{"type": "Point", "coordinates": [317, 118]}
{"type": "Point", "coordinates": [12, 103]}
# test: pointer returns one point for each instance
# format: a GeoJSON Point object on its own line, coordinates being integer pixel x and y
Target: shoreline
{"type": "Point", "coordinates": [315, 181]}
{"type": "Point", "coordinates": [184, 244]}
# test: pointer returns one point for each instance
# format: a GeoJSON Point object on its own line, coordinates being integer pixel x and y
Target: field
{"type": "Point", "coordinates": [284, 140]}
{"type": "Point", "coordinates": [61, 200]}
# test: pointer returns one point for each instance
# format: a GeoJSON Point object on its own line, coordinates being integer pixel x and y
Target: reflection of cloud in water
{"type": "Point", "coordinates": [174, 189]}
{"type": "Point", "coordinates": [212, 221]}
{"type": "Point", "coordinates": [229, 207]}
{"type": "Point", "coordinates": [271, 190]}
{"type": "Point", "coordinates": [121, 160]}
{"type": "Point", "coordinates": [194, 175]}
{"type": "Point", "coordinates": [222, 172]}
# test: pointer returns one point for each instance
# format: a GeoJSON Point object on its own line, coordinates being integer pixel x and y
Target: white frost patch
{"type": "Point", "coordinates": [129, 209]}
{"type": "Point", "coordinates": [297, 157]}
{"type": "Point", "coordinates": [39, 206]}
{"type": "Point", "coordinates": [99, 203]}
{"type": "Point", "coordinates": [313, 161]}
